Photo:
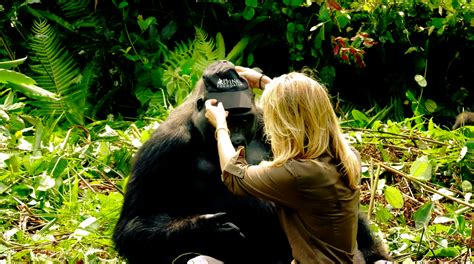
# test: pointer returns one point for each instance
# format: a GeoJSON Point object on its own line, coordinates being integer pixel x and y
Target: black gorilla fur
{"type": "Point", "coordinates": [175, 204]}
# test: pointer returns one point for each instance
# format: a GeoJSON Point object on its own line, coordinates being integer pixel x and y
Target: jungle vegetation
{"type": "Point", "coordinates": [84, 83]}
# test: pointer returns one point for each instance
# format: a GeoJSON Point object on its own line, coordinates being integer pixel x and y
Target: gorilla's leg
{"type": "Point", "coordinates": [371, 248]}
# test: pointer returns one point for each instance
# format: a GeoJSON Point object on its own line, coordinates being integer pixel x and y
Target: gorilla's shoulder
{"type": "Point", "coordinates": [172, 135]}
{"type": "Point", "coordinates": [178, 124]}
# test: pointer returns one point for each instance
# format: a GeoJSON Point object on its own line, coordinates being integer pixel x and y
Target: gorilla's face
{"type": "Point", "coordinates": [242, 123]}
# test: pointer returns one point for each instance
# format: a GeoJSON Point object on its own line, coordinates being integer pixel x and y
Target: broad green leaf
{"type": "Point", "coordinates": [343, 20]}
{"type": "Point", "coordinates": [460, 224]}
{"type": "Point", "coordinates": [35, 91]}
{"type": "Point", "coordinates": [249, 13]}
{"type": "Point", "coordinates": [123, 5]}
{"type": "Point", "coordinates": [383, 215]}
{"type": "Point", "coordinates": [251, 3]}
{"type": "Point", "coordinates": [220, 46]}
{"type": "Point", "coordinates": [421, 168]}
{"type": "Point", "coordinates": [394, 197]}
{"type": "Point", "coordinates": [466, 186]}
{"type": "Point", "coordinates": [250, 59]}
{"type": "Point", "coordinates": [294, 3]}
{"type": "Point", "coordinates": [359, 116]}
{"type": "Point", "coordinates": [238, 49]}
{"type": "Point", "coordinates": [422, 216]}
{"type": "Point", "coordinates": [168, 31]}
{"type": "Point", "coordinates": [58, 167]}
{"type": "Point", "coordinates": [430, 105]}
{"type": "Point", "coordinates": [9, 76]}
{"type": "Point", "coordinates": [145, 24]}
{"type": "Point", "coordinates": [11, 63]}
{"type": "Point", "coordinates": [291, 27]}
{"type": "Point", "coordinates": [444, 252]}
{"type": "Point", "coordinates": [437, 22]}
{"type": "Point", "coordinates": [410, 96]}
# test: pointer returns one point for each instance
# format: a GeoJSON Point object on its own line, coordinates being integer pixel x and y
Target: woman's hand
{"type": "Point", "coordinates": [216, 114]}
{"type": "Point", "coordinates": [253, 77]}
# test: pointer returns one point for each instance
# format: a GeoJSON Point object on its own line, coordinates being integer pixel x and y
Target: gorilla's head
{"type": "Point", "coordinates": [220, 81]}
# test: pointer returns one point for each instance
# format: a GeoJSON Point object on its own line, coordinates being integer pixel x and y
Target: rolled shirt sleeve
{"type": "Point", "coordinates": [276, 184]}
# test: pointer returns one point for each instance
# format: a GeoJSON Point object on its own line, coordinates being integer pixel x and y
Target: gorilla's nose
{"type": "Point", "coordinates": [238, 140]}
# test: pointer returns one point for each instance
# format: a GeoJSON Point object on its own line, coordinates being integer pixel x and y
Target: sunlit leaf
{"type": "Point", "coordinates": [9, 76]}
{"type": "Point", "coordinates": [430, 105]}
{"type": "Point", "coordinates": [359, 116]}
{"type": "Point", "coordinates": [394, 197]}
{"type": "Point", "coordinates": [409, 94]}
{"type": "Point", "coordinates": [421, 168]}
{"type": "Point", "coordinates": [466, 186]}
{"type": "Point", "coordinates": [444, 252]}
{"type": "Point", "coordinates": [420, 80]}
{"type": "Point", "coordinates": [11, 63]}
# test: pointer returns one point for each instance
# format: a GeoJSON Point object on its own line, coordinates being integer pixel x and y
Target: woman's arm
{"type": "Point", "coordinates": [216, 115]}
{"type": "Point", "coordinates": [253, 77]}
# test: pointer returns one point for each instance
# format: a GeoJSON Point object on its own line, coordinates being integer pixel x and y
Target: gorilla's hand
{"type": "Point", "coordinates": [222, 227]}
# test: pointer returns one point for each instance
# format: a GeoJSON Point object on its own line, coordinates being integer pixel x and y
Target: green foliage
{"type": "Point", "coordinates": [394, 197]}
{"type": "Point", "coordinates": [421, 212]}
{"type": "Point", "coordinates": [392, 65]}
{"type": "Point", "coordinates": [56, 71]}
{"type": "Point", "coordinates": [22, 82]}
{"type": "Point", "coordinates": [68, 182]}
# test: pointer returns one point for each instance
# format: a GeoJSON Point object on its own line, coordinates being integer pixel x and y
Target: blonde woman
{"type": "Point", "coordinates": [314, 174]}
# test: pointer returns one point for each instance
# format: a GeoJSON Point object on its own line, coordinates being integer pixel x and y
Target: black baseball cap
{"type": "Point", "coordinates": [223, 83]}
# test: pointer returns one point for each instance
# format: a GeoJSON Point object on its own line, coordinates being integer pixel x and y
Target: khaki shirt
{"type": "Point", "coordinates": [316, 208]}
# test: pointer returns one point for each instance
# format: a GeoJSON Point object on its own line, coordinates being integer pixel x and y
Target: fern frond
{"type": "Point", "coordinates": [205, 50]}
{"type": "Point", "coordinates": [75, 8]}
{"type": "Point", "coordinates": [186, 63]}
{"type": "Point", "coordinates": [57, 72]}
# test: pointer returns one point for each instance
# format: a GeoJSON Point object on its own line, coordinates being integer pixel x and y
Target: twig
{"type": "Point", "coordinates": [85, 182]}
{"type": "Point", "coordinates": [397, 135]}
{"type": "Point", "coordinates": [374, 181]}
{"type": "Point", "coordinates": [431, 189]}
{"type": "Point", "coordinates": [395, 146]}
{"type": "Point", "coordinates": [110, 182]}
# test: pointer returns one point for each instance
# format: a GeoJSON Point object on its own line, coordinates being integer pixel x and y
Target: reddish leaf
{"type": "Point", "coordinates": [332, 4]}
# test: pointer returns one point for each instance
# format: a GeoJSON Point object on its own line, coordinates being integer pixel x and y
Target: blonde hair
{"type": "Point", "coordinates": [301, 124]}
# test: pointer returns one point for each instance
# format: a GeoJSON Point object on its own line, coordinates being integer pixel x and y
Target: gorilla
{"type": "Point", "coordinates": [175, 205]}
{"type": "Point", "coordinates": [464, 119]}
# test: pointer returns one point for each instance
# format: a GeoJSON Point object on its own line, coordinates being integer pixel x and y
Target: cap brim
{"type": "Point", "coordinates": [235, 99]}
